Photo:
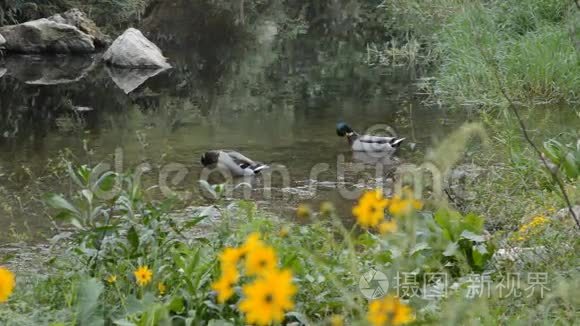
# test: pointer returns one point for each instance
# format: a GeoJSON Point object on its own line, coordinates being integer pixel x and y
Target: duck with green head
{"type": "Point", "coordinates": [368, 143]}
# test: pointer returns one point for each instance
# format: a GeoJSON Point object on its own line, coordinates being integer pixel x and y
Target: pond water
{"type": "Point", "coordinates": [273, 95]}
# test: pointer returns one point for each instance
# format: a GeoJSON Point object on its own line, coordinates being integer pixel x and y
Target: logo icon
{"type": "Point", "coordinates": [373, 284]}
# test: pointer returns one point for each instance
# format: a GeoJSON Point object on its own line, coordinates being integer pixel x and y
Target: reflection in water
{"type": "Point", "coordinates": [129, 79]}
{"type": "Point", "coordinates": [269, 88]}
{"type": "Point", "coordinates": [377, 158]}
{"type": "Point", "coordinates": [48, 70]}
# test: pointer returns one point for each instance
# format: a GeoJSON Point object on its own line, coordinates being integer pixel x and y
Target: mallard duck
{"type": "Point", "coordinates": [367, 143]}
{"type": "Point", "coordinates": [232, 161]}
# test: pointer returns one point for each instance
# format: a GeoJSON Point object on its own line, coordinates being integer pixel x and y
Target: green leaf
{"type": "Point", "coordinates": [74, 176]}
{"type": "Point", "coordinates": [480, 255]}
{"type": "Point", "coordinates": [472, 236]}
{"type": "Point", "coordinates": [446, 220]}
{"type": "Point", "coordinates": [56, 201]}
{"type": "Point", "coordinates": [135, 305]}
{"type": "Point", "coordinates": [106, 182]}
{"type": "Point", "coordinates": [176, 305]}
{"type": "Point", "coordinates": [552, 149]}
{"type": "Point", "coordinates": [133, 238]}
{"type": "Point", "coordinates": [451, 249]}
{"type": "Point", "coordinates": [473, 223]}
{"type": "Point", "coordinates": [88, 195]}
{"type": "Point", "coordinates": [88, 308]}
{"type": "Point", "coordinates": [420, 247]}
{"type": "Point", "coordinates": [193, 222]}
{"type": "Point", "coordinates": [570, 167]}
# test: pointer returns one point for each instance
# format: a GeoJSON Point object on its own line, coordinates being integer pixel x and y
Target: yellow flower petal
{"type": "Point", "coordinates": [388, 227]}
{"type": "Point", "coordinates": [389, 311]}
{"type": "Point", "coordinates": [370, 210]}
{"type": "Point", "coordinates": [303, 211]}
{"type": "Point", "coordinates": [112, 279]}
{"type": "Point", "coordinates": [143, 275]}
{"type": "Point", "coordinates": [161, 288]}
{"type": "Point", "coordinates": [268, 297]}
{"type": "Point", "coordinates": [260, 260]}
{"type": "Point", "coordinates": [7, 283]}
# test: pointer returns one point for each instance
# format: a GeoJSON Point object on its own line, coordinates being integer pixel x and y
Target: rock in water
{"type": "Point", "coordinates": [78, 19]}
{"type": "Point", "coordinates": [46, 36]}
{"type": "Point", "coordinates": [133, 50]}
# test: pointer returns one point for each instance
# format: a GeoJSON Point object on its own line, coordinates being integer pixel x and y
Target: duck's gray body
{"type": "Point", "coordinates": [368, 143]}
{"type": "Point", "coordinates": [232, 162]}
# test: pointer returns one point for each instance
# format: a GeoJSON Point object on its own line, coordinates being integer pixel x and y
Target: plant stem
{"type": "Point", "coordinates": [513, 108]}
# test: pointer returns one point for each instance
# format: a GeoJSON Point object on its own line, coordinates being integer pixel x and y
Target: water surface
{"type": "Point", "coordinates": [274, 97]}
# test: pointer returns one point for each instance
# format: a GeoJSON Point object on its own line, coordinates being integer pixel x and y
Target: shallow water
{"type": "Point", "coordinates": [272, 97]}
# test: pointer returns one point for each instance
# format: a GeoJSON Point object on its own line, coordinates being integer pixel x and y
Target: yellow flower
{"type": "Point", "coordinates": [532, 228]}
{"type": "Point", "coordinates": [143, 275]}
{"type": "Point", "coordinates": [370, 210]}
{"type": "Point", "coordinates": [253, 241]}
{"type": "Point", "coordinates": [268, 297]}
{"type": "Point", "coordinates": [224, 286]}
{"type": "Point", "coordinates": [388, 227]}
{"type": "Point", "coordinates": [389, 311]}
{"type": "Point", "coordinates": [401, 207]}
{"type": "Point", "coordinates": [336, 320]}
{"type": "Point", "coordinates": [230, 257]}
{"type": "Point", "coordinates": [260, 260]}
{"type": "Point", "coordinates": [326, 208]}
{"type": "Point", "coordinates": [112, 279]}
{"type": "Point", "coordinates": [303, 211]}
{"type": "Point", "coordinates": [284, 231]}
{"type": "Point", "coordinates": [161, 288]}
{"type": "Point", "coordinates": [7, 283]}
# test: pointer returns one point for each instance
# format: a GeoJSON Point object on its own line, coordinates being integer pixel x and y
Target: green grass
{"type": "Point", "coordinates": [531, 42]}
{"type": "Point", "coordinates": [534, 52]}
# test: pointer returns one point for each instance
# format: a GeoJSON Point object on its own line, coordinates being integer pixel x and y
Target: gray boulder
{"type": "Point", "coordinates": [564, 213]}
{"type": "Point", "coordinates": [2, 40]}
{"type": "Point", "coordinates": [78, 19]}
{"type": "Point", "coordinates": [133, 50]}
{"type": "Point", "coordinates": [46, 36]}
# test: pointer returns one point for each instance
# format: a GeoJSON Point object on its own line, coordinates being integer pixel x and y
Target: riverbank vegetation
{"type": "Point", "coordinates": [534, 44]}
{"type": "Point", "coordinates": [135, 261]}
